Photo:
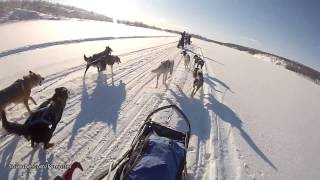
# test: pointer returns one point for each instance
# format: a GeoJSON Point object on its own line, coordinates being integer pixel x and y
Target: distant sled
{"type": "Point", "coordinates": [157, 152]}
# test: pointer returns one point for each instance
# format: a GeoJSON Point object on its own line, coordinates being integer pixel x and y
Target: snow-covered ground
{"type": "Point", "coordinates": [251, 120]}
{"type": "Point", "coordinates": [26, 33]}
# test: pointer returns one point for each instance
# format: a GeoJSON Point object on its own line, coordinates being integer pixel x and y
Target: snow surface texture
{"type": "Point", "coordinates": [251, 120]}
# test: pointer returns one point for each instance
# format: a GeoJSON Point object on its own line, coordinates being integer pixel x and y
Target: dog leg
{"type": "Point", "coordinates": [163, 77]}
{"type": "Point", "coordinates": [111, 70]}
{"type": "Point", "coordinates": [86, 70]}
{"type": "Point", "coordinates": [32, 143]}
{"type": "Point", "coordinates": [196, 90]}
{"type": "Point", "coordinates": [192, 92]}
{"type": "Point", "coordinates": [157, 80]}
{"type": "Point", "coordinates": [27, 105]}
{"type": "Point", "coordinates": [34, 102]}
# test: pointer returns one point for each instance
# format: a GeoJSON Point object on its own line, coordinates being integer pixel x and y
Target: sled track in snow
{"type": "Point", "coordinates": [150, 103]}
{"type": "Point", "coordinates": [66, 42]}
{"type": "Point", "coordinates": [56, 78]}
{"type": "Point", "coordinates": [138, 70]}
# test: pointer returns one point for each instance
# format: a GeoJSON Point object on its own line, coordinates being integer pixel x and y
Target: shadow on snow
{"type": "Point", "coordinates": [102, 105]}
{"type": "Point", "coordinates": [198, 113]}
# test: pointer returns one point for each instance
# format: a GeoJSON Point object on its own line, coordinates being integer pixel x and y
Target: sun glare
{"type": "Point", "coordinates": [117, 9]}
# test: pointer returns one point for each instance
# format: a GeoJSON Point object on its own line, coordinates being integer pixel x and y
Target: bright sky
{"type": "Point", "coordinates": [288, 28]}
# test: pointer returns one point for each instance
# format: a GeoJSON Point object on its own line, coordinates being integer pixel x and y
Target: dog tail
{"type": "Point", "coordinates": [14, 128]}
{"type": "Point", "coordinates": [85, 58]}
{"type": "Point", "coordinates": [155, 70]}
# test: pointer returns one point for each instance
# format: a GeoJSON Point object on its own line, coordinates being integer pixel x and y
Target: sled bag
{"type": "Point", "coordinates": [161, 159]}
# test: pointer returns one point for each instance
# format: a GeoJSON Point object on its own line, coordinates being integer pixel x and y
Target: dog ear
{"type": "Point", "coordinates": [61, 89]}
{"type": "Point", "coordinates": [30, 72]}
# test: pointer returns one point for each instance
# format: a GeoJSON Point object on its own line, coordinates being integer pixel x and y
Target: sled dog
{"type": "Point", "coordinates": [195, 72]}
{"type": "Point", "coordinates": [198, 81]}
{"type": "Point", "coordinates": [41, 124]}
{"type": "Point", "coordinates": [19, 91]}
{"type": "Point", "coordinates": [186, 60]}
{"type": "Point", "coordinates": [164, 68]}
{"type": "Point", "coordinates": [102, 62]}
{"type": "Point", "coordinates": [97, 60]}
{"type": "Point", "coordinates": [198, 61]}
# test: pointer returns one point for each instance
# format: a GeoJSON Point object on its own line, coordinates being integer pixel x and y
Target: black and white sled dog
{"type": "Point", "coordinates": [101, 60]}
{"type": "Point", "coordinates": [164, 68]}
{"type": "Point", "coordinates": [198, 81]}
{"type": "Point", "coordinates": [41, 124]}
{"type": "Point", "coordinates": [198, 61]}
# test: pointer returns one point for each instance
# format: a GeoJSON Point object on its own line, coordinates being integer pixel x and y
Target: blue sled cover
{"type": "Point", "coordinates": [162, 159]}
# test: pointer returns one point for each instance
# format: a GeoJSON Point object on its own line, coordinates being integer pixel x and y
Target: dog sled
{"type": "Point", "coordinates": [157, 152]}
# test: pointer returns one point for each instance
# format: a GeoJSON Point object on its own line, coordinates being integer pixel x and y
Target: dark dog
{"type": "Point", "coordinates": [102, 62]}
{"type": "Point", "coordinates": [198, 61]}
{"type": "Point", "coordinates": [195, 72]}
{"type": "Point", "coordinates": [41, 124]}
{"type": "Point", "coordinates": [106, 52]}
{"type": "Point", "coordinates": [98, 60]}
{"type": "Point", "coordinates": [198, 81]}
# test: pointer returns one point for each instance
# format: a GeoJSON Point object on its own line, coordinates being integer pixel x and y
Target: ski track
{"type": "Point", "coordinates": [65, 42]}
{"type": "Point", "coordinates": [140, 67]}
{"type": "Point", "coordinates": [58, 82]}
{"type": "Point", "coordinates": [98, 143]}
{"type": "Point", "coordinates": [60, 76]}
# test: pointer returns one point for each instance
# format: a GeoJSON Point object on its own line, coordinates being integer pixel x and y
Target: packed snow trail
{"type": "Point", "coordinates": [251, 119]}
{"type": "Point", "coordinates": [64, 42]}
{"type": "Point", "coordinates": [103, 114]}
{"type": "Point", "coordinates": [106, 105]}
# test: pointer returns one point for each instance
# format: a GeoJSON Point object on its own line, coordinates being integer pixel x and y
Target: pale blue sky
{"type": "Point", "coordinates": [288, 28]}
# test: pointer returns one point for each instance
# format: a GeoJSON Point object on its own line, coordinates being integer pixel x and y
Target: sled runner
{"type": "Point", "coordinates": [157, 152]}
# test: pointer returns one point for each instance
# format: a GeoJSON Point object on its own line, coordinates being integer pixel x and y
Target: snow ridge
{"type": "Point", "coordinates": [65, 42]}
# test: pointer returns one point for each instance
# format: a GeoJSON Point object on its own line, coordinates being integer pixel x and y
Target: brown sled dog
{"type": "Point", "coordinates": [41, 124]}
{"type": "Point", "coordinates": [20, 90]}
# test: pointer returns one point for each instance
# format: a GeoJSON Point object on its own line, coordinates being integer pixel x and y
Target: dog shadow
{"type": "Point", "coordinates": [32, 153]}
{"type": "Point", "coordinates": [42, 171]}
{"type": "Point", "coordinates": [103, 104]}
{"type": "Point", "coordinates": [6, 158]}
{"type": "Point", "coordinates": [214, 82]}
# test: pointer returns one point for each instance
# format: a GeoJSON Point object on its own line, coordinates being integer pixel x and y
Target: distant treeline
{"type": "Point", "coordinates": [63, 11]}
{"type": "Point", "coordinates": [141, 24]}
{"type": "Point", "coordinates": [57, 10]}
{"type": "Point", "coordinates": [299, 68]}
